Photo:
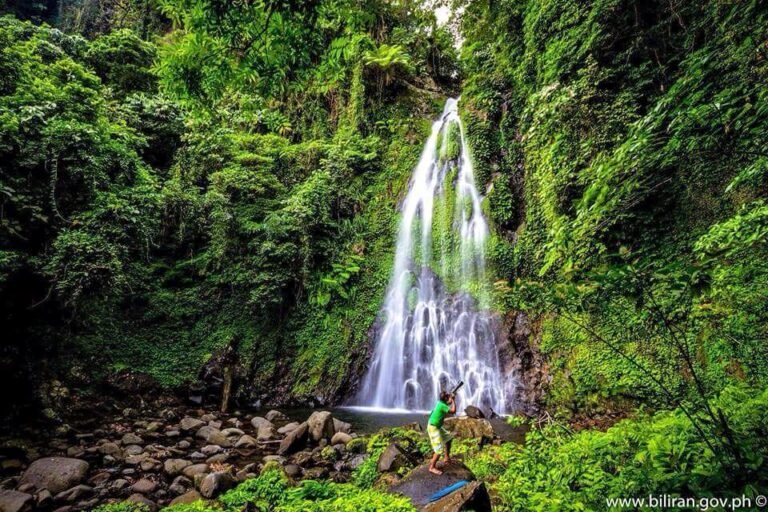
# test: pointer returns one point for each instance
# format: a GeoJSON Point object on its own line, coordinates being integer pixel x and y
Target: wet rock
{"type": "Point", "coordinates": [131, 438]}
{"type": "Point", "coordinates": [74, 452]}
{"type": "Point", "coordinates": [134, 460]}
{"type": "Point", "coordinates": [473, 496]}
{"type": "Point", "coordinates": [274, 415]}
{"type": "Point", "coordinates": [143, 500]}
{"type": "Point", "coordinates": [144, 486]}
{"type": "Point", "coordinates": [320, 425]}
{"type": "Point", "coordinates": [149, 465]}
{"type": "Point", "coordinates": [189, 423]}
{"type": "Point", "coordinates": [218, 438]}
{"type": "Point", "coordinates": [294, 441]}
{"type": "Point", "coordinates": [341, 438]}
{"type": "Point", "coordinates": [183, 444]}
{"type": "Point", "coordinates": [474, 412]}
{"type": "Point", "coordinates": [55, 473]}
{"type": "Point", "coordinates": [180, 485]}
{"type": "Point", "coordinates": [290, 427]}
{"type": "Point", "coordinates": [14, 501]}
{"type": "Point", "coordinates": [186, 498]}
{"type": "Point", "coordinates": [99, 478]}
{"type": "Point", "coordinates": [217, 459]}
{"type": "Point", "coordinates": [342, 426]}
{"type": "Point", "coordinates": [120, 483]}
{"type": "Point", "coordinates": [467, 428]}
{"type": "Point", "coordinates": [216, 483]}
{"type": "Point", "coordinates": [392, 459]}
{"type": "Point", "coordinates": [175, 466]}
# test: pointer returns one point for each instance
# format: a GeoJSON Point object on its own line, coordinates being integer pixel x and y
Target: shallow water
{"type": "Point", "coordinates": [364, 420]}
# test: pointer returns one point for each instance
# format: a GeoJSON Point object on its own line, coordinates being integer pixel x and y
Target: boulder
{"type": "Point", "coordinates": [296, 440]}
{"type": "Point", "coordinates": [419, 485]}
{"type": "Point", "coordinates": [357, 445]}
{"type": "Point", "coordinates": [187, 498]}
{"type": "Point", "coordinates": [468, 428]}
{"type": "Point", "coordinates": [275, 416]}
{"type": "Point", "coordinates": [292, 470]}
{"type": "Point", "coordinates": [14, 501]}
{"type": "Point", "coordinates": [55, 473]}
{"type": "Point", "coordinates": [216, 483]}
{"type": "Point", "coordinates": [267, 434]}
{"type": "Point", "coordinates": [473, 496]}
{"type": "Point", "coordinates": [392, 459]}
{"type": "Point", "coordinates": [320, 425]}
{"type": "Point", "coordinates": [341, 426]}
{"type": "Point", "coordinates": [340, 438]}
{"type": "Point", "coordinates": [188, 424]}
{"type": "Point", "coordinates": [474, 412]}
{"type": "Point", "coordinates": [175, 466]}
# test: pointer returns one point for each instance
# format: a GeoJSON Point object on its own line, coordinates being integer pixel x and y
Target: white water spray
{"type": "Point", "coordinates": [431, 338]}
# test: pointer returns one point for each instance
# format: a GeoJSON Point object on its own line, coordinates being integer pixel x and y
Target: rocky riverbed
{"type": "Point", "coordinates": [174, 455]}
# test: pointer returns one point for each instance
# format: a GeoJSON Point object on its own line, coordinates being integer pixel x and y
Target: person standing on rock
{"type": "Point", "coordinates": [439, 438]}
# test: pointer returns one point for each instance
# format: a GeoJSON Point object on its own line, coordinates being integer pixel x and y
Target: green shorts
{"type": "Point", "coordinates": [438, 438]}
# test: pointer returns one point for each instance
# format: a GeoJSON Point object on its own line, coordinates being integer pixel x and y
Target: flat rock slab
{"type": "Point", "coordinates": [420, 484]}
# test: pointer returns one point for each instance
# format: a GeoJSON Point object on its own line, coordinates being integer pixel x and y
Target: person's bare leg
{"type": "Point", "coordinates": [447, 457]}
{"type": "Point", "coordinates": [432, 468]}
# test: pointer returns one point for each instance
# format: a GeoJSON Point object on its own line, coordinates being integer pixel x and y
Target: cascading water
{"type": "Point", "coordinates": [432, 337]}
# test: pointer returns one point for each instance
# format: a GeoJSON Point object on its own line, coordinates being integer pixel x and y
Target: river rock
{"type": "Point", "coordinates": [287, 428]}
{"type": "Point", "coordinates": [43, 499]}
{"type": "Point", "coordinates": [175, 466]}
{"type": "Point", "coordinates": [275, 416]}
{"type": "Point", "coordinates": [474, 412]}
{"type": "Point", "coordinates": [341, 426]}
{"type": "Point", "coordinates": [144, 486]}
{"type": "Point", "coordinates": [143, 500]}
{"type": "Point", "coordinates": [246, 441]}
{"type": "Point", "coordinates": [187, 498]}
{"type": "Point", "coordinates": [467, 428]}
{"type": "Point", "coordinates": [357, 460]}
{"type": "Point", "coordinates": [188, 424]}
{"type": "Point", "coordinates": [292, 470]}
{"type": "Point", "coordinates": [392, 459]}
{"type": "Point", "coordinates": [211, 449]}
{"type": "Point", "coordinates": [14, 501]}
{"type": "Point", "coordinates": [205, 432]}
{"type": "Point", "coordinates": [111, 449]}
{"type": "Point", "coordinates": [216, 483]}
{"type": "Point", "coordinates": [131, 438]}
{"type": "Point", "coordinates": [320, 425]}
{"type": "Point", "coordinates": [267, 434]}
{"type": "Point", "coordinates": [258, 422]}
{"type": "Point", "coordinates": [218, 438]}
{"type": "Point", "coordinates": [55, 473]}
{"type": "Point", "coordinates": [296, 440]}
{"type": "Point", "coordinates": [133, 449]}
{"type": "Point", "coordinates": [74, 494]}
{"type": "Point", "coordinates": [194, 469]}
{"type": "Point", "coordinates": [340, 438]}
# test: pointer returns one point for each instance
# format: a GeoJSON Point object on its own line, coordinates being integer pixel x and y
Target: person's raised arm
{"type": "Point", "coordinates": [452, 403]}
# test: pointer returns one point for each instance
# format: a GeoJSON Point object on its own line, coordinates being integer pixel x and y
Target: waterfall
{"type": "Point", "coordinates": [434, 331]}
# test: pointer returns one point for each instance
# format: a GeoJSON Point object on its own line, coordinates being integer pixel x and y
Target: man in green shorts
{"type": "Point", "coordinates": [439, 438]}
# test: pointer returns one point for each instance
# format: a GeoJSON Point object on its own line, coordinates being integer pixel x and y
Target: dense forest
{"type": "Point", "coordinates": [201, 197]}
